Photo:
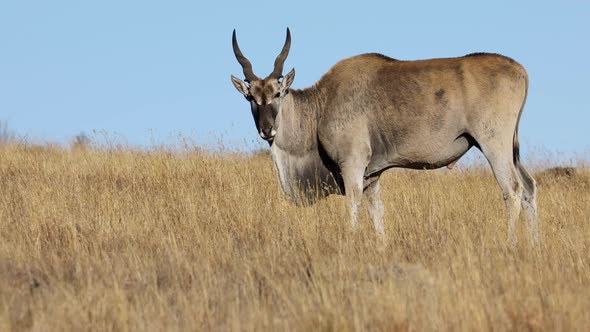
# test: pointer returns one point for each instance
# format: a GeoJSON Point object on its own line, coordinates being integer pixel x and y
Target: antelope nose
{"type": "Point", "coordinates": [267, 133]}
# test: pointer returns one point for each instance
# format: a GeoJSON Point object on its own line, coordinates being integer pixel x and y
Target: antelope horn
{"type": "Point", "coordinates": [246, 65]}
{"type": "Point", "coordinates": [280, 61]}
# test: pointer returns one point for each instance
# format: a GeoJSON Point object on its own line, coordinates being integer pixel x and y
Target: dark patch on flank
{"type": "Point", "coordinates": [440, 98]}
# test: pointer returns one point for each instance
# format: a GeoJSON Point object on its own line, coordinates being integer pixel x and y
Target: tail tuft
{"type": "Point", "coordinates": [515, 148]}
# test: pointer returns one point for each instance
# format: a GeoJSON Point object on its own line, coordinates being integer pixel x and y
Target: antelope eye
{"type": "Point", "coordinates": [278, 95]}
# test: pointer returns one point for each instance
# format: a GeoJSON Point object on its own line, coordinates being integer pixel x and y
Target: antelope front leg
{"type": "Point", "coordinates": [375, 204]}
{"type": "Point", "coordinates": [353, 185]}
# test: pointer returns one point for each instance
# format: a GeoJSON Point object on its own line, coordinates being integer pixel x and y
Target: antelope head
{"type": "Point", "coordinates": [265, 95]}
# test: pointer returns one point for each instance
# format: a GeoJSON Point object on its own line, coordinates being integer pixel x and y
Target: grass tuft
{"type": "Point", "coordinates": [117, 239]}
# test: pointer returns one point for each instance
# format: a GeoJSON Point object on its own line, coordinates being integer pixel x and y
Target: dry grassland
{"type": "Point", "coordinates": [115, 239]}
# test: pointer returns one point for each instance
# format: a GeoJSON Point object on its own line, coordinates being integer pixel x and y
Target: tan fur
{"type": "Point", "coordinates": [369, 113]}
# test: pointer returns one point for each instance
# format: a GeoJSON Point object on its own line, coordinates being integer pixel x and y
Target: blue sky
{"type": "Point", "coordinates": [145, 72]}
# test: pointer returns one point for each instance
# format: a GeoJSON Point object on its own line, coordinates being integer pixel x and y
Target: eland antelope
{"type": "Point", "coordinates": [369, 113]}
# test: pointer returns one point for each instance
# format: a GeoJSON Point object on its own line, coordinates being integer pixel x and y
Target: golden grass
{"type": "Point", "coordinates": [124, 240]}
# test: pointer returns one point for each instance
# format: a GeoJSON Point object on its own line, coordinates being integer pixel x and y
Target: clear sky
{"type": "Point", "coordinates": [145, 71]}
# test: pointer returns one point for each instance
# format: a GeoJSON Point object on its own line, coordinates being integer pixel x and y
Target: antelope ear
{"type": "Point", "coordinates": [240, 86]}
{"type": "Point", "coordinates": [288, 80]}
